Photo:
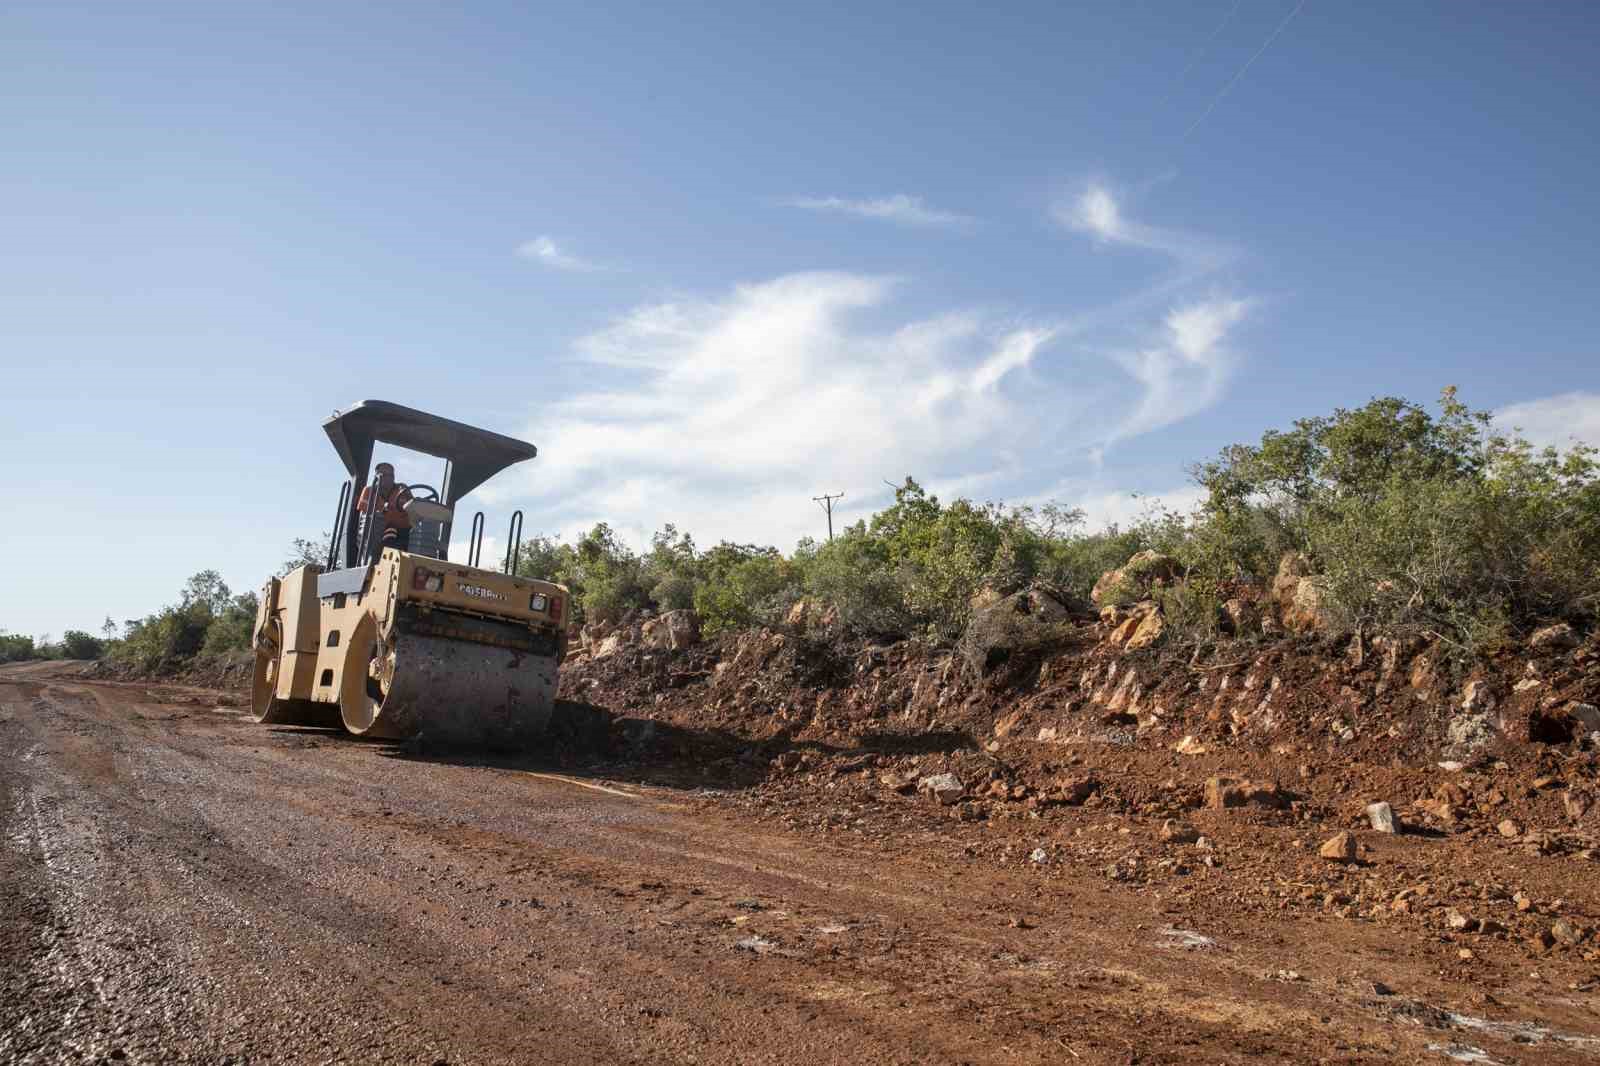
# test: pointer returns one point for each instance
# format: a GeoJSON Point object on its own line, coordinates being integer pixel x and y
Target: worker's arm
{"type": "Point", "coordinates": [397, 507]}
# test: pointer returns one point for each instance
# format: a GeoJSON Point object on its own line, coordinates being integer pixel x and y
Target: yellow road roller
{"type": "Point", "coordinates": [392, 640]}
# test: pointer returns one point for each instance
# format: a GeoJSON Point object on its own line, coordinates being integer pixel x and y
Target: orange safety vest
{"type": "Point", "coordinates": [393, 505]}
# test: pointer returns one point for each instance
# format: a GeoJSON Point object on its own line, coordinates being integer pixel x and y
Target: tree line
{"type": "Point", "coordinates": [1414, 520]}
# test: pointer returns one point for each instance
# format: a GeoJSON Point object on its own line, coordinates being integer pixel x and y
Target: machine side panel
{"type": "Point", "coordinates": [341, 626]}
{"type": "Point", "coordinates": [266, 610]}
{"type": "Point", "coordinates": [297, 598]}
{"type": "Point", "coordinates": [297, 605]}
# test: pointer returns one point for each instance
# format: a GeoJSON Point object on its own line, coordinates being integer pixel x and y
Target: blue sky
{"type": "Point", "coordinates": [716, 259]}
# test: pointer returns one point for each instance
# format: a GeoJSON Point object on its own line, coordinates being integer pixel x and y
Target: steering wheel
{"type": "Point", "coordinates": [417, 492]}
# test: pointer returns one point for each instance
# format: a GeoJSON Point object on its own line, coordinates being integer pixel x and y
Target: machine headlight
{"type": "Point", "coordinates": [538, 601]}
{"type": "Point", "coordinates": [425, 580]}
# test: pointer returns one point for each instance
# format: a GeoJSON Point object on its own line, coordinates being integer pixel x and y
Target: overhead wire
{"type": "Point", "coordinates": [1205, 47]}
{"type": "Point", "coordinates": [1215, 100]}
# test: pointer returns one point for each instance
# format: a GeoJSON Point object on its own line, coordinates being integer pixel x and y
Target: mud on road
{"type": "Point", "coordinates": [177, 884]}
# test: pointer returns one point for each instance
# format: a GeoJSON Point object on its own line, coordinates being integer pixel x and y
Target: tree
{"type": "Point", "coordinates": [16, 648]}
{"type": "Point", "coordinates": [76, 644]}
{"type": "Point", "coordinates": [305, 552]}
{"type": "Point", "coordinates": [206, 590]}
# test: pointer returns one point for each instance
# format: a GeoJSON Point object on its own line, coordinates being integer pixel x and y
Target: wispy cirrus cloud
{"type": "Point", "coordinates": [900, 208]}
{"type": "Point", "coordinates": [1183, 361]}
{"type": "Point", "coordinates": [725, 412]}
{"type": "Point", "coordinates": [1097, 211]}
{"type": "Point", "coordinates": [728, 406]}
{"type": "Point", "coordinates": [1183, 371]}
{"type": "Point", "coordinates": [545, 250]}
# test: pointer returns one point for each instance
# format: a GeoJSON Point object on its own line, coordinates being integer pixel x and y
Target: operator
{"type": "Point", "coordinates": [392, 500]}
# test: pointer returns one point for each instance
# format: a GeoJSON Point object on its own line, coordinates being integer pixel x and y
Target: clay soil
{"type": "Point", "coordinates": [734, 865]}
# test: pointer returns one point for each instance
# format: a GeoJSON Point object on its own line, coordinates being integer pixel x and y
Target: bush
{"type": "Point", "coordinates": [743, 584]}
{"type": "Point", "coordinates": [76, 644]}
{"type": "Point", "coordinates": [1414, 522]}
{"type": "Point", "coordinates": [231, 628]}
{"type": "Point", "coordinates": [15, 648]}
{"type": "Point", "coordinates": [851, 574]}
{"type": "Point", "coordinates": [164, 640]}
{"type": "Point", "coordinates": [207, 620]}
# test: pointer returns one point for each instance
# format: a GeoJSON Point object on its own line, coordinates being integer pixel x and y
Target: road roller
{"type": "Point", "coordinates": [391, 639]}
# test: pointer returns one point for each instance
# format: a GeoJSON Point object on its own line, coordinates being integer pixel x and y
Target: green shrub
{"type": "Point", "coordinates": [16, 648]}
{"type": "Point", "coordinates": [208, 619]}
{"type": "Point", "coordinates": [165, 639]}
{"type": "Point", "coordinates": [76, 644]}
{"type": "Point", "coordinates": [231, 628]}
{"type": "Point", "coordinates": [850, 574]}
{"type": "Point", "coordinates": [743, 584]}
{"type": "Point", "coordinates": [606, 578]}
{"type": "Point", "coordinates": [1414, 522]}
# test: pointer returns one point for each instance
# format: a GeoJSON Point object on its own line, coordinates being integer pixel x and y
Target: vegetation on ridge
{"type": "Point", "coordinates": [1413, 521]}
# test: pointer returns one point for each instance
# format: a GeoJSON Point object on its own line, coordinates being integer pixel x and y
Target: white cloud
{"type": "Point", "coordinates": [1185, 363]}
{"type": "Point", "coordinates": [744, 407]}
{"type": "Point", "coordinates": [725, 414]}
{"type": "Point", "coordinates": [1103, 505]}
{"type": "Point", "coordinates": [493, 553]}
{"type": "Point", "coordinates": [1184, 370]}
{"type": "Point", "coordinates": [545, 250]}
{"type": "Point", "coordinates": [1554, 420]}
{"type": "Point", "coordinates": [901, 208]}
{"type": "Point", "coordinates": [1096, 210]}
{"type": "Point", "coordinates": [1124, 508]}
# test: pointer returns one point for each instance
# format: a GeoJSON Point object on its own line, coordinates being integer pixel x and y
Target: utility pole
{"type": "Point", "coordinates": [826, 501]}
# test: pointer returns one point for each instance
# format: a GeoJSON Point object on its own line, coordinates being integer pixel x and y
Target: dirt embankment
{"type": "Point", "coordinates": [1142, 767]}
{"type": "Point", "coordinates": [227, 673]}
{"type": "Point", "coordinates": [774, 848]}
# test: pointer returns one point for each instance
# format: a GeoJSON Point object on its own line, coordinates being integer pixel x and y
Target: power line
{"type": "Point", "coordinates": [1215, 100]}
{"type": "Point", "coordinates": [1184, 73]}
{"type": "Point", "coordinates": [826, 502]}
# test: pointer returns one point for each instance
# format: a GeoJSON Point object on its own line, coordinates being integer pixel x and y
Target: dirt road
{"type": "Point", "coordinates": [177, 884]}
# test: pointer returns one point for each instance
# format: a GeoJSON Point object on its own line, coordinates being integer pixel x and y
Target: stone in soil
{"type": "Point", "coordinates": [1074, 790]}
{"type": "Point", "coordinates": [1341, 847]}
{"type": "Point", "coordinates": [946, 788]}
{"type": "Point", "coordinates": [1382, 818]}
{"type": "Point", "coordinates": [1564, 932]}
{"type": "Point", "coordinates": [1176, 832]}
{"type": "Point", "coordinates": [1223, 792]}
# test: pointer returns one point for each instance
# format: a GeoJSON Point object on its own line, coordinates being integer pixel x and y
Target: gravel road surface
{"type": "Point", "coordinates": [177, 884]}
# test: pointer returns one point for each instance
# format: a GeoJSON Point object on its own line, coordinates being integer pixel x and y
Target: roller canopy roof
{"type": "Point", "coordinates": [475, 455]}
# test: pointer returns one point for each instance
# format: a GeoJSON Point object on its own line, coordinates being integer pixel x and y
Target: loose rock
{"type": "Point", "coordinates": [1382, 818]}
{"type": "Point", "coordinates": [946, 788]}
{"type": "Point", "coordinates": [1553, 638]}
{"type": "Point", "coordinates": [1075, 790]}
{"type": "Point", "coordinates": [1223, 792]}
{"type": "Point", "coordinates": [1176, 832]}
{"type": "Point", "coordinates": [1564, 932]}
{"type": "Point", "coordinates": [1340, 848]}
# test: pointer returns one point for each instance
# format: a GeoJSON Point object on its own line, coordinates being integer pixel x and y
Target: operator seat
{"type": "Point", "coordinates": [428, 519]}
